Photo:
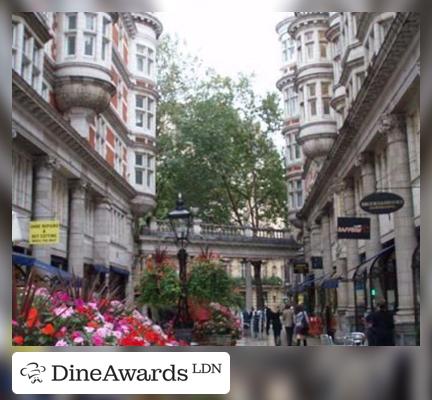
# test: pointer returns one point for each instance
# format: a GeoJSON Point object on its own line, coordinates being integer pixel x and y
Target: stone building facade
{"type": "Point", "coordinates": [83, 120]}
{"type": "Point", "coordinates": [357, 78]}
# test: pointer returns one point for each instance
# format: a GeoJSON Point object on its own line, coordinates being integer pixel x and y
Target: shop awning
{"type": "Point", "coordinates": [385, 252]}
{"type": "Point", "coordinates": [27, 261]}
{"type": "Point", "coordinates": [303, 286]}
{"type": "Point", "coordinates": [119, 271]}
{"type": "Point", "coordinates": [330, 283]}
{"type": "Point", "coordinates": [363, 267]}
{"type": "Point", "coordinates": [100, 268]}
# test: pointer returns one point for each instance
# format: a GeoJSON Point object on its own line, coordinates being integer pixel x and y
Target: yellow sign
{"type": "Point", "coordinates": [44, 232]}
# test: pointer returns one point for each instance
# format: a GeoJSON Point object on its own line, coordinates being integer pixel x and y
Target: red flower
{"type": "Point", "coordinates": [93, 324]}
{"type": "Point", "coordinates": [131, 341]}
{"type": "Point", "coordinates": [48, 330]}
{"type": "Point", "coordinates": [32, 317]}
{"type": "Point", "coordinates": [152, 337]}
{"type": "Point", "coordinates": [19, 340]}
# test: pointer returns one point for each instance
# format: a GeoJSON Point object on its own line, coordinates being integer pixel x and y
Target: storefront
{"type": "Point", "coordinates": [118, 279]}
{"type": "Point", "coordinates": [383, 279]}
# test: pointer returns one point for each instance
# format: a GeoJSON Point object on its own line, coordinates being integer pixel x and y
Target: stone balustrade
{"type": "Point", "coordinates": [218, 232]}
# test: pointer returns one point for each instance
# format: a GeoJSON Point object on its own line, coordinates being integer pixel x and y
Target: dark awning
{"type": "Point", "coordinates": [363, 267]}
{"type": "Point", "coordinates": [27, 261]}
{"type": "Point", "coordinates": [384, 252]}
{"type": "Point", "coordinates": [100, 268]}
{"type": "Point", "coordinates": [119, 271]}
{"type": "Point", "coordinates": [330, 283]}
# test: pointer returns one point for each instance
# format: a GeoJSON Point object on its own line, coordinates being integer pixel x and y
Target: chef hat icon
{"type": "Point", "coordinates": [32, 371]}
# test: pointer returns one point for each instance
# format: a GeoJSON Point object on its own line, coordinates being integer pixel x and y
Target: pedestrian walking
{"type": "Point", "coordinates": [268, 313]}
{"type": "Point", "coordinates": [301, 325]}
{"type": "Point", "coordinates": [330, 322]}
{"type": "Point", "coordinates": [275, 319]}
{"type": "Point", "coordinates": [256, 319]}
{"type": "Point", "coordinates": [288, 322]}
{"type": "Point", "coordinates": [380, 326]}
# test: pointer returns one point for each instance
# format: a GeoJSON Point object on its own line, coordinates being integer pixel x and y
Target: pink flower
{"type": "Point", "coordinates": [76, 334]}
{"type": "Point", "coordinates": [93, 305]}
{"type": "Point", "coordinates": [43, 292]}
{"type": "Point", "coordinates": [79, 303]}
{"type": "Point", "coordinates": [78, 340]}
{"type": "Point", "coordinates": [63, 311]}
{"type": "Point", "coordinates": [103, 332]}
{"type": "Point", "coordinates": [14, 323]}
{"type": "Point", "coordinates": [97, 340]}
{"type": "Point", "coordinates": [61, 343]}
{"type": "Point", "coordinates": [89, 329]}
{"type": "Point", "coordinates": [117, 334]}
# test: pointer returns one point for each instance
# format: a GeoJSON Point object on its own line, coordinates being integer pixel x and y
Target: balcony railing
{"type": "Point", "coordinates": [215, 232]}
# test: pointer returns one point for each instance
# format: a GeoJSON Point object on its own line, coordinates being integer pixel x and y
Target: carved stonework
{"type": "Point", "coordinates": [365, 157]}
{"type": "Point", "coordinates": [392, 127]}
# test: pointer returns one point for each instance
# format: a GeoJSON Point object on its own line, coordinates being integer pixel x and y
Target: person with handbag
{"type": "Point", "coordinates": [301, 325]}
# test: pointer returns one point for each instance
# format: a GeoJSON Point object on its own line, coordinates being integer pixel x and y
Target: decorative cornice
{"type": "Point", "coordinates": [308, 18]}
{"type": "Point", "coordinates": [150, 20]}
{"type": "Point", "coordinates": [129, 24]}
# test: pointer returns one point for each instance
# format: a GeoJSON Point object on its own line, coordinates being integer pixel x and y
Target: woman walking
{"type": "Point", "coordinates": [301, 326]}
{"type": "Point", "coordinates": [277, 326]}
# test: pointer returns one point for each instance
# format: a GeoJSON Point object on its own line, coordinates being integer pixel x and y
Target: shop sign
{"type": "Point", "coordinates": [382, 203]}
{"type": "Point", "coordinates": [353, 228]}
{"type": "Point", "coordinates": [44, 232]}
{"type": "Point", "coordinates": [301, 267]}
{"type": "Point", "coordinates": [317, 262]}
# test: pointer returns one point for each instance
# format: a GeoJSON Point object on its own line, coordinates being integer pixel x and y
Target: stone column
{"type": "Point", "coordinates": [248, 281]}
{"type": "Point", "coordinates": [316, 252]}
{"type": "Point", "coordinates": [76, 228]}
{"type": "Point", "coordinates": [42, 206]}
{"type": "Point", "coordinates": [307, 245]}
{"type": "Point", "coordinates": [102, 235]}
{"type": "Point", "coordinates": [326, 243]}
{"type": "Point", "coordinates": [132, 257]}
{"type": "Point", "coordinates": [393, 126]}
{"type": "Point", "coordinates": [352, 252]}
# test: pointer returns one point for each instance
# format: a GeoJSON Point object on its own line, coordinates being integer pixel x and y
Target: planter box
{"type": "Point", "coordinates": [217, 340]}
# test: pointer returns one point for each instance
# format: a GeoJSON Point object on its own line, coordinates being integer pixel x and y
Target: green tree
{"type": "Point", "coordinates": [215, 148]}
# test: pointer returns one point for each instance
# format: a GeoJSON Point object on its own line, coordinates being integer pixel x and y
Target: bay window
{"type": "Point", "coordinates": [144, 112]}
{"type": "Point", "coordinates": [325, 95]}
{"type": "Point", "coordinates": [71, 33]}
{"type": "Point", "coordinates": [144, 169]}
{"type": "Point", "coordinates": [312, 101]}
{"type": "Point", "coordinates": [145, 59]}
{"type": "Point", "coordinates": [309, 44]}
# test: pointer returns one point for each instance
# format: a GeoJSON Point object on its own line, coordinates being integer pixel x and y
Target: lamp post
{"type": "Point", "coordinates": [181, 220]}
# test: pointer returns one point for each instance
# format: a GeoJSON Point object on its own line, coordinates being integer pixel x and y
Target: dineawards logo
{"type": "Point", "coordinates": [121, 373]}
{"type": "Point", "coordinates": [33, 371]}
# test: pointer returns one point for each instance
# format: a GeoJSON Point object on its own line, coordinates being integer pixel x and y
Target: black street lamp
{"type": "Point", "coordinates": [181, 221]}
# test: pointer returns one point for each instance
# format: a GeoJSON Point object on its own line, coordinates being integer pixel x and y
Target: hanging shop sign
{"type": "Point", "coordinates": [382, 203]}
{"type": "Point", "coordinates": [353, 228]}
{"type": "Point", "coordinates": [301, 267]}
{"type": "Point", "coordinates": [44, 232]}
{"type": "Point", "coordinates": [317, 262]}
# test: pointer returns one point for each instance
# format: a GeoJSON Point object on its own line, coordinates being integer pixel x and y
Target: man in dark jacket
{"type": "Point", "coordinates": [380, 324]}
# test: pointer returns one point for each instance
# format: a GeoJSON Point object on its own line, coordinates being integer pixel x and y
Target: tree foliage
{"type": "Point", "coordinates": [214, 145]}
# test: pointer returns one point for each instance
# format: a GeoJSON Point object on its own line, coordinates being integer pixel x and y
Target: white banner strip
{"type": "Point", "coordinates": [120, 373]}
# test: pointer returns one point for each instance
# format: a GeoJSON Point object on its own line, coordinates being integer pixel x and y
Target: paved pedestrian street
{"type": "Point", "coordinates": [269, 341]}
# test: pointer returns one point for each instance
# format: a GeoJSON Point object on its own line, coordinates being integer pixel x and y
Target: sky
{"type": "Point", "coordinates": [233, 42]}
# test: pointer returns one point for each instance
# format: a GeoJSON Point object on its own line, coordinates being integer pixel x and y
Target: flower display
{"type": "Point", "coordinates": [57, 319]}
{"type": "Point", "coordinates": [216, 319]}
